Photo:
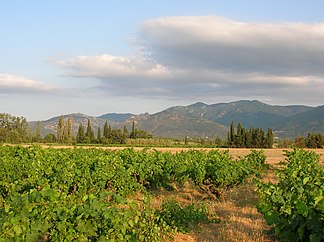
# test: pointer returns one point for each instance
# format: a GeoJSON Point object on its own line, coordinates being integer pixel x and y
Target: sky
{"type": "Point", "coordinates": [103, 56]}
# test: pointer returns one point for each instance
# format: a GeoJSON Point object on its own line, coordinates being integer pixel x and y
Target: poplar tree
{"type": "Point", "coordinates": [38, 132]}
{"type": "Point", "coordinates": [60, 129]}
{"type": "Point", "coordinates": [12, 129]}
{"type": "Point", "coordinates": [105, 130]}
{"type": "Point", "coordinates": [80, 135]}
{"type": "Point", "coordinates": [30, 135]}
{"type": "Point", "coordinates": [69, 131]}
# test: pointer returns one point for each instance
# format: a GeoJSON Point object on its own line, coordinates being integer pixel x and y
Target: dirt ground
{"type": "Point", "coordinates": [273, 155]}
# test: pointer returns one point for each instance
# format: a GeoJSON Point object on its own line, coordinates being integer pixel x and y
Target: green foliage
{"type": "Point", "coordinates": [296, 204]}
{"type": "Point", "coordinates": [135, 133]}
{"type": "Point", "coordinates": [50, 138]}
{"type": "Point", "coordinates": [184, 218]}
{"type": "Point", "coordinates": [12, 129]}
{"type": "Point", "coordinates": [252, 138]}
{"type": "Point", "coordinates": [315, 141]}
{"type": "Point", "coordinates": [64, 130]}
{"type": "Point", "coordinates": [312, 141]}
{"type": "Point", "coordinates": [84, 194]}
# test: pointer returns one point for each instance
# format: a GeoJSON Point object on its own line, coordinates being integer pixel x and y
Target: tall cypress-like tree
{"type": "Point", "coordinates": [133, 133]}
{"type": "Point", "coordinates": [38, 132]}
{"type": "Point", "coordinates": [232, 134]}
{"type": "Point", "coordinates": [228, 139]}
{"type": "Point", "coordinates": [68, 133]}
{"type": "Point", "coordinates": [270, 138]}
{"type": "Point", "coordinates": [248, 138]}
{"type": "Point", "coordinates": [105, 130]}
{"type": "Point", "coordinates": [60, 130]}
{"type": "Point", "coordinates": [99, 134]}
{"type": "Point", "coordinates": [109, 132]}
{"type": "Point", "coordinates": [89, 132]}
{"type": "Point", "coordinates": [239, 138]}
{"type": "Point", "coordinates": [80, 135]}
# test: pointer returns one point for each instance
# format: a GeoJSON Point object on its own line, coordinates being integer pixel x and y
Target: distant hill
{"type": "Point", "coordinates": [116, 117]}
{"type": "Point", "coordinates": [311, 121]}
{"type": "Point", "coordinates": [201, 120]}
{"type": "Point", "coordinates": [49, 126]}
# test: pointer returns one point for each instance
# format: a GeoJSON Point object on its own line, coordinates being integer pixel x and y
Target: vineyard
{"type": "Point", "coordinates": [49, 194]}
{"type": "Point", "coordinates": [295, 205]}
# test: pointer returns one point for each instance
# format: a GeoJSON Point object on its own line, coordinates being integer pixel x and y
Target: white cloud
{"type": "Point", "coordinates": [108, 66]}
{"type": "Point", "coordinates": [220, 43]}
{"type": "Point", "coordinates": [13, 83]}
{"type": "Point", "coordinates": [208, 56]}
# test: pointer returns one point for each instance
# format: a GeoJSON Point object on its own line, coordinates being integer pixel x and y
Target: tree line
{"type": "Point", "coordinates": [16, 130]}
{"type": "Point", "coordinates": [312, 141]}
{"type": "Point", "coordinates": [12, 129]}
{"type": "Point", "coordinates": [87, 135]}
{"type": "Point", "coordinates": [249, 138]}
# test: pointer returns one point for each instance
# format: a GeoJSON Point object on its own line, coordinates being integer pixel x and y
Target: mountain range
{"type": "Point", "coordinates": [201, 120]}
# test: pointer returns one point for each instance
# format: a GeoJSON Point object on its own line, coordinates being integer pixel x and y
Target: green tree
{"type": "Point", "coordinates": [80, 138]}
{"type": "Point", "coordinates": [105, 130]}
{"type": "Point", "coordinates": [133, 133]}
{"type": "Point", "coordinates": [232, 134]}
{"type": "Point", "coordinates": [50, 138]}
{"type": "Point", "coordinates": [89, 132]}
{"type": "Point", "coordinates": [125, 131]}
{"type": "Point", "coordinates": [270, 138]}
{"type": "Point", "coordinates": [239, 138]}
{"type": "Point", "coordinates": [99, 135]}
{"type": "Point", "coordinates": [30, 134]}
{"type": "Point", "coordinates": [68, 134]}
{"type": "Point", "coordinates": [12, 129]}
{"type": "Point", "coordinates": [248, 138]}
{"type": "Point", "coordinates": [109, 131]}
{"type": "Point", "coordinates": [60, 130]}
{"type": "Point", "coordinates": [314, 141]}
{"type": "Point", "coordinates": [38, 132]}
{"type": "Point", "coordinates": [143, 134]}
{"type": "Point", "coordinates": [117, 137]}
{"type": "Point", "coordinates": [218, 141]}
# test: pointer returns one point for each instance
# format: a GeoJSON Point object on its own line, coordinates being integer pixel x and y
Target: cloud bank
{"type": "Point", "coordinates": [17, 84]}
{"type": "Point", "coordinates": [206, 57]}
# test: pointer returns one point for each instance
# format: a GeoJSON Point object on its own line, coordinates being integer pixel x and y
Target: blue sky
{"type": "Point", "coordinates": [96, 57]}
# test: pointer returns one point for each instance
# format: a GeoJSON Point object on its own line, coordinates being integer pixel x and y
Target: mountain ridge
{"type": "Point", "coordinates": [201, 120]}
